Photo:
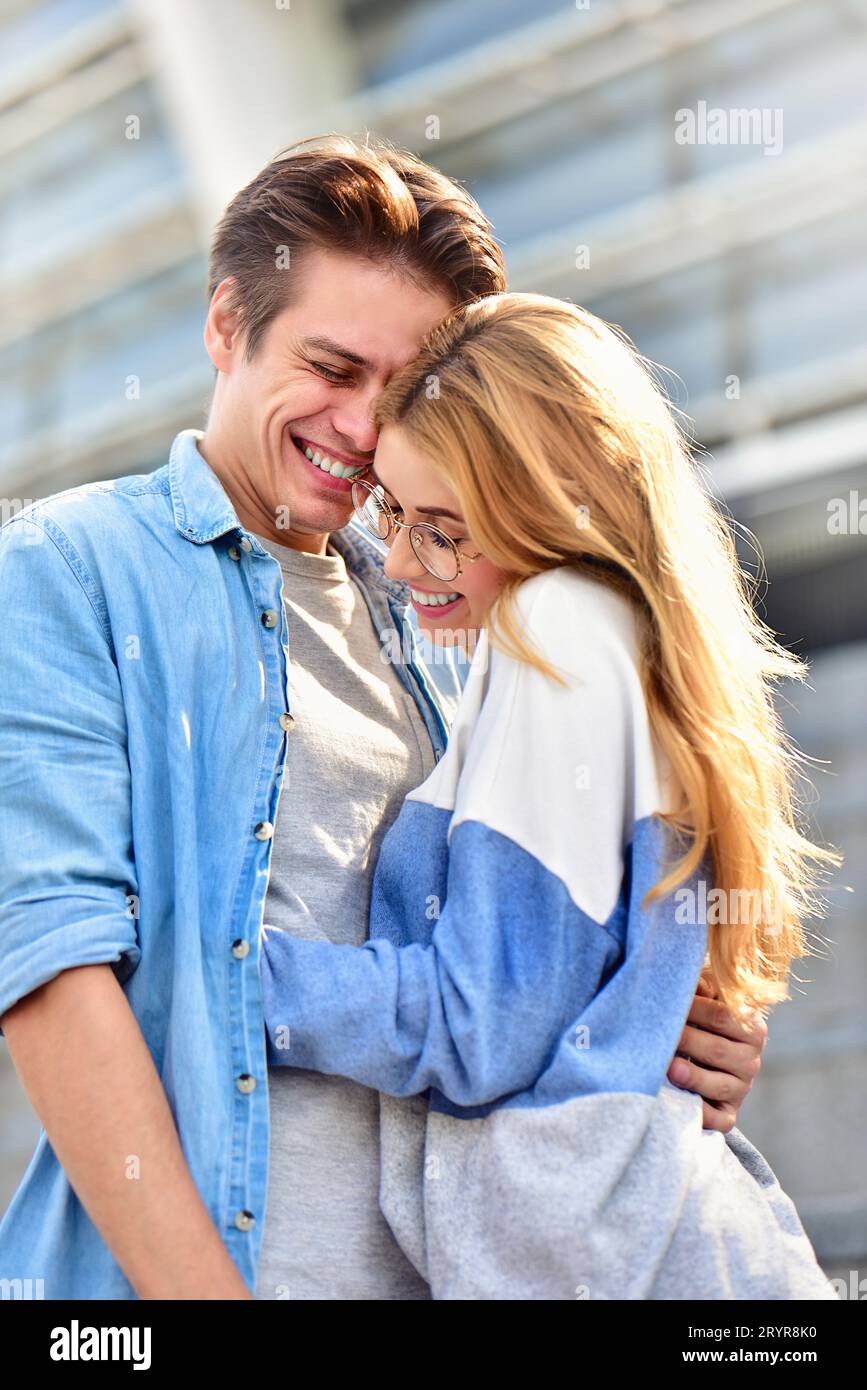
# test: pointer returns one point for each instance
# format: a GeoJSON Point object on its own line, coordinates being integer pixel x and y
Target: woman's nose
{"type": "Point", "coordinates": [401, 562]}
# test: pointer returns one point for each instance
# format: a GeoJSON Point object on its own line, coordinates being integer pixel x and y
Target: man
{"type": "Point", "coordinates": [182, 651]}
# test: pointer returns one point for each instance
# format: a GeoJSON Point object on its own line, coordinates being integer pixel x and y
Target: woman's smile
{"type": "Point", "coordinates": [434, 604]}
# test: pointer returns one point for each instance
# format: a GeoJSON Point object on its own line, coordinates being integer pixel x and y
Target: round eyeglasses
{"type": "Point", "coordinates": [437, 552]}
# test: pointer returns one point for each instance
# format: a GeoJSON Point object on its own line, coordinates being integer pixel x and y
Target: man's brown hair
{"type": "Point", "coordinates": [372, 200]}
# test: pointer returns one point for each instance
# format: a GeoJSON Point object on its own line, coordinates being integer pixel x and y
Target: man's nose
{"type": "Point", "coordinates": [354, 423]}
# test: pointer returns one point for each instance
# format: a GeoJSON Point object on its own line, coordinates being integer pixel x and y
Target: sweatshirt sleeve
{"type": "Point", "coordinates": [532, 918]}
{"type": "Point", "coordinates": [475, 1014]}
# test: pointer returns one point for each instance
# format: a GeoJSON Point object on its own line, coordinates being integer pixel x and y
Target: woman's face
{"type": "Point", "coordinates": [415, 492]}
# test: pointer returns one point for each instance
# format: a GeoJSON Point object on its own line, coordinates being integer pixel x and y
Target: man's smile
{"type": "Point", "coordinates": [333, 466]}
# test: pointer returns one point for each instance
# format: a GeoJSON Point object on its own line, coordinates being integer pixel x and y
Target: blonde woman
{"type": "Point", "coordinates": [614, 813]}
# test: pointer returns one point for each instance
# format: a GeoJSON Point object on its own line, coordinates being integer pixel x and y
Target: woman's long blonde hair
{"type": "Point", "coordinates": [552, 432]}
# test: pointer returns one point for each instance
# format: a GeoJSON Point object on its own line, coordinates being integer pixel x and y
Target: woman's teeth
{"type": "Point", "coordinates": [433, 600]}
{"type": "Point", "coordinates": [329, 465]}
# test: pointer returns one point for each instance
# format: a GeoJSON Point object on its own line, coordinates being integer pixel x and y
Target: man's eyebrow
{"type": "Point", "coordinates": [337, 350]}
{"type": "Point", "coordinates": [423, 511]}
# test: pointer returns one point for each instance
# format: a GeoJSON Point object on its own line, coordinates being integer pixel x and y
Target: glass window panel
{"type": "Point", "coordinates": [678, 323]}
{"type": "Point", "coordinates": [577, 158]}
{"type": "Point", "coordinates": [393, 39]}
{"type": "Point", "coordinates": [151, 330]}
{"type": "Point", "coordinates": [83, 173]}
{"type": "Point", "coordinates": [807, 302]}
{"type": "Point", "coordinates": [43, 25]}
{"type": "Point", "coordinates": [814, 76]}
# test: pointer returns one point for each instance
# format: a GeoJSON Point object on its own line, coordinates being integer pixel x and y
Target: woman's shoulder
{"type": "Point", "coordinates": [565, 770]}
{"type": "Point", "coordinates": [582, 626]}
{"type": "Point", "coordinates": [568, 592]}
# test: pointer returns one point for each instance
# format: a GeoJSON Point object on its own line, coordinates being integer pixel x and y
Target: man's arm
{"type": "Point", "coordinates": [723, 1057]}
{"type": "Point", "coordinates": [67, 870]}
{"type": "Point", "coordinates": [103, 1107]}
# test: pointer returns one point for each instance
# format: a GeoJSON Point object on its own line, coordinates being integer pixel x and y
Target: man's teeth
{"type": "Point", "coordinates": [433, 599]}
{"type": "Point", "coordinates": [332, 466]}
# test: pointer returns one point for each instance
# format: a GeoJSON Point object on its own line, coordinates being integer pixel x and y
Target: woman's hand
{"type": "Point", "coordinates": [723, 1056]}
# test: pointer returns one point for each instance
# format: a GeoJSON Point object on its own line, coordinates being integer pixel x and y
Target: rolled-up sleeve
{"type": "Point", "coordinates": [68, 886]}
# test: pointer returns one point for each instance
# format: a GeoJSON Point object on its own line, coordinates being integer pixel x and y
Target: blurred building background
{"type": "Point", "coordinates": [737, 263]}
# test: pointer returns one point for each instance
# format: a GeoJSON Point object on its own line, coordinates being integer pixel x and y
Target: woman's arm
{"type": "Point", "coordinates": [475, 1014]}
{"type": "Point", "coordinates": [538, 911]}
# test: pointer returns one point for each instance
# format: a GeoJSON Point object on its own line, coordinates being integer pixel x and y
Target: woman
{"type": "Point", "coordinates": [613, 813]}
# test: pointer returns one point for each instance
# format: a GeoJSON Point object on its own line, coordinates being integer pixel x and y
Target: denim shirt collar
{"type": "Point", "coordinates": [200, 503]}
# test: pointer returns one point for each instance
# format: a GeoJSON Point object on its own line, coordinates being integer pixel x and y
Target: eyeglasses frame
{"type": "Point", "coordinates": [410, 526]}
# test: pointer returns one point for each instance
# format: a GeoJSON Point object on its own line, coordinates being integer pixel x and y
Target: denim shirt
{"type": "Point", "coordinates": [144, 722]}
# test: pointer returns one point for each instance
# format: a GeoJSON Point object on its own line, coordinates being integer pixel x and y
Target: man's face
{"type": "Point", "coordinates": [310, 390]}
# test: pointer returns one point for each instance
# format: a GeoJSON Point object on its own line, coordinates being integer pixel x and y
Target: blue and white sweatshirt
{"type": "Point", "coordinates": [518, 1007]}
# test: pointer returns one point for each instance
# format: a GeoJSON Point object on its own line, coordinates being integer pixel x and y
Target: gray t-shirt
{"type": "Point", "coordinates": [357, 747]}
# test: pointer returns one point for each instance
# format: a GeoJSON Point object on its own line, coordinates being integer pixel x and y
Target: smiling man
{"type": "Point", "coordinates": [182, 652]}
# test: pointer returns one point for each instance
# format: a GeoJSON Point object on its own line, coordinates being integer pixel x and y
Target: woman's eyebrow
{"type": "Point", "coordinates": [441, 511]}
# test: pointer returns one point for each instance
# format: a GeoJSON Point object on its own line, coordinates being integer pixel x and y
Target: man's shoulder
{"type": "Point", "coordinates": [97, 531]}
{"type": "Point", "coordinates": [120, 503]}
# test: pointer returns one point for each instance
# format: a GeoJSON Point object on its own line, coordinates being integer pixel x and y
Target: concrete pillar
{"type": "Point", "coordinates": [240, 79]}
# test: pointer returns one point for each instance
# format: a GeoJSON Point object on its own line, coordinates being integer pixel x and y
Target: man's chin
{"type": "Point", "coordinates": [312, 519]}
{"type": "Point", "coordinates": [318, 505]}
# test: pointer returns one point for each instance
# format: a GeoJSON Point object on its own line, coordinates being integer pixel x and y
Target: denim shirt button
{"type": "Point", "coordinates": [234, 552]}
{"type": "Point", "coordinates": [287, 720]}
{"type": "Point", "coordinates": [240, 948]}
{"type": "Point", "coordinates": [245, 544]}
{"type": "Point", "coordinates": [269, 617]}
{"type": "Point", "coordinates": [245, 1220]}
{"type": "Point", "coordinates": [264, 830]}
{"type": "Point", "coordinates": [246, 1083]}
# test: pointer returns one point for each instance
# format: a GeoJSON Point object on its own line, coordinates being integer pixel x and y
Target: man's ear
{"type": "Point", "coordinates": [221, 336]}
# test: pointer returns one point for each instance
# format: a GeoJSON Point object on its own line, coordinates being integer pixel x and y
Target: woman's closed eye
{"type": "Point", "coordinates": [439, 538]}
